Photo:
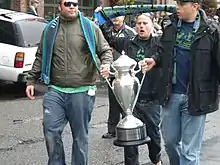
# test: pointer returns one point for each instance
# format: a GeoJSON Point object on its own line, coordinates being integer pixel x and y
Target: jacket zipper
{"type": "Point", "coordinates": [66, 39]}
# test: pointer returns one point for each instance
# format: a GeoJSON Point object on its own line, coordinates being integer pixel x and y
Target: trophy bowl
{"type": "Point", "coordinates": [130, 131]}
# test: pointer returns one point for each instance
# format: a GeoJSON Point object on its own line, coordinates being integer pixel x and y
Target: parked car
{"type": "Point", "coordinates": [20, 35]}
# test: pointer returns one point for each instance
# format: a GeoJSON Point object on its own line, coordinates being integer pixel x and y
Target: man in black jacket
{"type": "Point", "coordinates": [147, 108]}
{"type": "Point", "coordinates": [119, 30]}
{"type": "Point", "coordinates": [190, 61]}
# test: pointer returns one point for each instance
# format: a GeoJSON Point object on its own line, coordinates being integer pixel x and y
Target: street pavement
{"type": "Point", "coordinates": [22, 142]}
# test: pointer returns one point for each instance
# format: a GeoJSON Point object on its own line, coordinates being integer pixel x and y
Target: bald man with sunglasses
{"type": "Point", "coordinates": [65, 62]}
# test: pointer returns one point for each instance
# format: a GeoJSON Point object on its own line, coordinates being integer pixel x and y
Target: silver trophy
{"type": "Point", "coordinates": [130, 131]}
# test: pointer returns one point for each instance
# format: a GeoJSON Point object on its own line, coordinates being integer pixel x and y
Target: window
{"type": "Point", "coordinates": [7, 33]}
{"type": "Point", "coordinates": [50, 9]}
{"type": "Point", "coordinates": [50, 1]}
{"type": "Point", "coordinates": [87, 3]}
{"type": "Point", "coordinates": [27, 27]}
{"type": "Point", "coordinates": [50, 12]}
{"type": "Point", "coordinates": [5, 4]}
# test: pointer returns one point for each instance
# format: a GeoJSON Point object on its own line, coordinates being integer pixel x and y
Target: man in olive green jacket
{"type": "Point", "coordinates": [66, 62]}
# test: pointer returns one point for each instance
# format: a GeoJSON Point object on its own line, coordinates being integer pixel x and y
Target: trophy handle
{"type": "Point", "coordinates": [112, 73]}
{"type": "Point", "coordinates": [138, 70]}
{"type": "Point", "coordinates": [106, 79]}
{"type": "Point", "coordinates": [139, 89]}
{"type": "Point", "coordinates": [139, 83]}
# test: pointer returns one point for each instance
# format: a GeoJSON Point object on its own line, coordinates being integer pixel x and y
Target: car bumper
{"type": "Point", "coordinates": [12, 74]}
{"type": "Point", "coordinates": [22, 78]}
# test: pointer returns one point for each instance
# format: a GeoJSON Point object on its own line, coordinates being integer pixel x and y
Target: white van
{"type": "Point", "coordinates": [20, 35]}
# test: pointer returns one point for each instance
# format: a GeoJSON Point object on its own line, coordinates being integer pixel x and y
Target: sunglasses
{"type": "Point", "coordinates": [68, 4]}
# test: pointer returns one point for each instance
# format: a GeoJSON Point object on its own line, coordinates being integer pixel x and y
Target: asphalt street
{"type": "Point", "coordinates": [22, 142]}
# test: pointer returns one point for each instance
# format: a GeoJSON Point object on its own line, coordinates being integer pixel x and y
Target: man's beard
{"type": "Point", "coordinates": [69, 16]}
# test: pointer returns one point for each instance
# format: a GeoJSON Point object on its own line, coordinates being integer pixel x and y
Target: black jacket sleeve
{"type": "Point", "coordinates": [216, 52]}
{"type": "Point", "coordinates": [158, 52]}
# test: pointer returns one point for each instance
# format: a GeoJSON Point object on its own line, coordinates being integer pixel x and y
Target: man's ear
{"type": "Point", "coordinates": [196, 6]}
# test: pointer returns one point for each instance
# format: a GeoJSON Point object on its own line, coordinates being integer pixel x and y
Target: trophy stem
{"type": "Point", "coordinates": [128, 112]}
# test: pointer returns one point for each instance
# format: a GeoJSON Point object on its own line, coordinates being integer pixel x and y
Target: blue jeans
{"type": "Point", "coordinates": [182, 132]}
{"type": "Point", "coordinates": [58, 109]}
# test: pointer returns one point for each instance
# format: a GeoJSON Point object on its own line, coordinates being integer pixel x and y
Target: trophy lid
{"type": "Point", "coordinates": [124, 61]}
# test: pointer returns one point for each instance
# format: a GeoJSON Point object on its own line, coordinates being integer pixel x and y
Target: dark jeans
{"type": "Point", "coordinates": [114, 111]}
{"type": "Point", "coordinates": [149, 113]}
{"type": "Point", "coordinates": [58, 109]}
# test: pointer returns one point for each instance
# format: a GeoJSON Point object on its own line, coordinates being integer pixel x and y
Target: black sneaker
{"type": "Point", "coordinates": [108, 136]}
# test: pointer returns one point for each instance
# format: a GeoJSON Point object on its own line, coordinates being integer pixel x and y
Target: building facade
{"type": "Point", "coordinates": [21, 5]}
{"type": "Point", "coordinates": [47, 8]}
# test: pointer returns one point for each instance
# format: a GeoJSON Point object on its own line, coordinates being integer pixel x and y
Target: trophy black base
{"type": "Point", "coordinates": [131, 143]}
{"type": "Point", "coordinates": [131, 136]}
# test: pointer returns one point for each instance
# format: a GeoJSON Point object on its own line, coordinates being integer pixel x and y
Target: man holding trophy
{"type": "Point", "coordinates": [147, 108]}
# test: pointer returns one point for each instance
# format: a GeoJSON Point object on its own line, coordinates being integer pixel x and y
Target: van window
{"type": "Point", "coordinates": [7, 34]}
{"type": "Point", "coordinates": [31, 30]}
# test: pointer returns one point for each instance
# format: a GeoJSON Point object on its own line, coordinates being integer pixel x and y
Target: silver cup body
{"type": "Point", "coordinates": [126, 87]}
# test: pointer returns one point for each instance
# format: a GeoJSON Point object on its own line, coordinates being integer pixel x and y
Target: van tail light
{"type": "Point", "coordinates": [19, 60]}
